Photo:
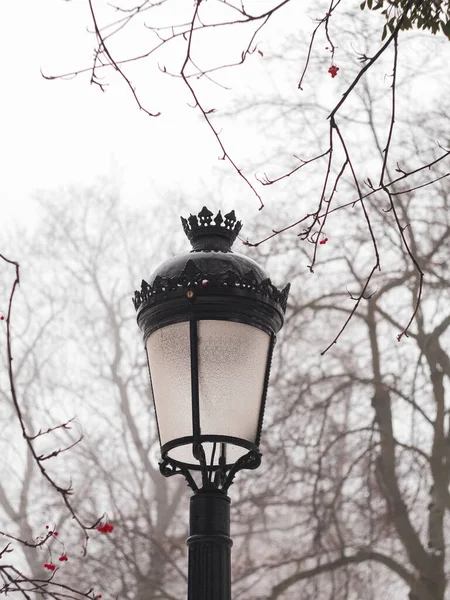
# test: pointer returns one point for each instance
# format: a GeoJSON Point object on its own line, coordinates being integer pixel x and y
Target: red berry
{"type": "Point", "coordinates": [333, 71]}
{"type": "Point", "coordinates": [2, 318]}
{"type": "Point", "coordinates": [55, 533]}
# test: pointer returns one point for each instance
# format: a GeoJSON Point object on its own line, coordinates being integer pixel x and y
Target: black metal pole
{"type": "Point", "coordinates": [209, 543]}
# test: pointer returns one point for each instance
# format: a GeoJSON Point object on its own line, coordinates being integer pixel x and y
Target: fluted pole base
{"type": "Point", "coordinates": [209, 543]}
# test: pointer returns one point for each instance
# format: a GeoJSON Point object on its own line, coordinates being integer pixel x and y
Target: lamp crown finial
{"type": "Point", "coordinates": [198, 227]}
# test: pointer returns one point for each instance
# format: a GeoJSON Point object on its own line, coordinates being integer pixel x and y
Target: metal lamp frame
{"type": "Point", "coordinates": [196, 294]}
{"type": "Point", "coordinates": [210, 283]}
{"type": "Point", "coordinates": [219, 475]}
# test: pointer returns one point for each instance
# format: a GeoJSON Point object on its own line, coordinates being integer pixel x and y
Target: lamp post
{"type": "Point", "coordinates": [209, 319]}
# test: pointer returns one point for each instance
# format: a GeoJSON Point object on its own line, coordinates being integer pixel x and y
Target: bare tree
{"type": "Point", "coordinates": [357, 442]}
{"type": "Point", "coordinates": [102, 251]}
{"type": "Point", "coordinates": [21, 488]}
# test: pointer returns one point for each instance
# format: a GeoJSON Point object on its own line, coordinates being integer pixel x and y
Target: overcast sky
{"type": "Point", "coordinates": [57, 133]}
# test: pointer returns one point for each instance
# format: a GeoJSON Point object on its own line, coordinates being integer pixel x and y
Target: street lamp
{"type": "Point", "coordinates": [209, 319]}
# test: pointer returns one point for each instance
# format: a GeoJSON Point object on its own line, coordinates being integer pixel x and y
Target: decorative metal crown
{"type": "Point", "coordinates": [204, 224]}
{"type": "Point", "coordinates": [191, 277]}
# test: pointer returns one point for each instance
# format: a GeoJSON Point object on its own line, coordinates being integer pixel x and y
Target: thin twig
{"type": "Point", "coordinates": [64, 492]}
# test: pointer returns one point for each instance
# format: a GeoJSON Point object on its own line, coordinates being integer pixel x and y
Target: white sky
{"type": "Point", "coordinates": [56, 133]}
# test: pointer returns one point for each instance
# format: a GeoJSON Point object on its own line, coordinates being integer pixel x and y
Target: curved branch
{"type": "Point", "coordinates": [362, 555]}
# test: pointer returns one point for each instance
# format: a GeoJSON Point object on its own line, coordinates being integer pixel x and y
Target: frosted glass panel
{"type": "Point", "coordinates": [170, 371]}
{"type": "Point", "coordinates": [232, 365]}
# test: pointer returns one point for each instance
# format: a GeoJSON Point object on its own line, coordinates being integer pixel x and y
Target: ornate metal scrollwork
{"type": "Point", "coordinates": [168, 469]}
{"type": "Point", "coordinates": [251, 460]}
{"type": "Point", "coordinates": [223, 476]}
{"type": "Point", "coordinates": [192, 277]}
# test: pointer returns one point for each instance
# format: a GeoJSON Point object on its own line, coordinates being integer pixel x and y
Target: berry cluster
{"type": "Point", "coordinates": [333, 71]}
{"type": "Point", "coordinates": [51, 532]}
{"type": "Point", "coordinates": [50, 566]}
{"type": "Point", "coordinates": [106, 528]}
{"type": "Point", "coordinates": [324, 241]}
{"type": "Point", "coordinates": [63, 558]}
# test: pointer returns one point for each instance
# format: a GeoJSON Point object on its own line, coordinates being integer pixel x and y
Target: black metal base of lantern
{"type": "Point", "coordinates": [215, 475]}
{"type": "Point", "coordinates": [220, 444]}
{"type": "Point", "coordinates": [209, 543]}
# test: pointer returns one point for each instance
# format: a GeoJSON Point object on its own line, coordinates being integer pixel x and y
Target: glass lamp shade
{"type": "Point", "coordinates": [209, 380]}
